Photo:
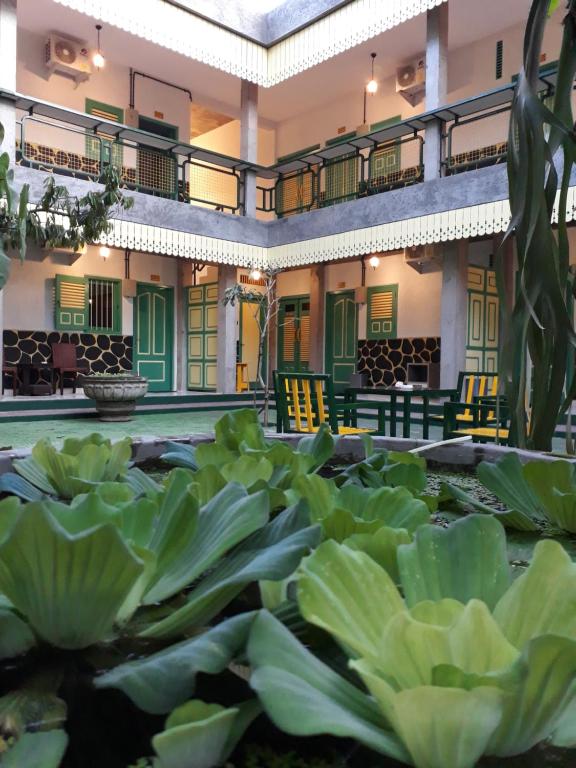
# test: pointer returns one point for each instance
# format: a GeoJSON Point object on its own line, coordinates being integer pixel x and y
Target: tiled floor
{"type": "Point", "coordinates": [23, 434]}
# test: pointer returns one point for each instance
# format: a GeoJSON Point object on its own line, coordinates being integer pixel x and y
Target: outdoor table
{"type": "Point", "coordinates": [25, 374]}
{"type": "Point", "coordinates": [351, 393]}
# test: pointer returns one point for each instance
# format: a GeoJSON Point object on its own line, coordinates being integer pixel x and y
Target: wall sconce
{"type": "Point", "coordinates": [104, 252]}
{"type": "Point", "coordinates": [98, 59]}
{"type": "Point", "coordinates": [255, 274]}
{"type": "Point", "coordinates": [374, 261]}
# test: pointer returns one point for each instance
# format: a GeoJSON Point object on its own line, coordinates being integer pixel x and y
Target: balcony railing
{"type": "Point", "coordinates": [53, 138]}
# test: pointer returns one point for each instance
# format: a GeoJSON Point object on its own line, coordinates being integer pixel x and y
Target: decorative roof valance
{"type": "Point", "coordinates": [182, 31]}
{"type": "Point", "coordinates": [472, 221]}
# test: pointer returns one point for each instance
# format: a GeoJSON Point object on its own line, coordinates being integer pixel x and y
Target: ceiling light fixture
{"type": "Point", "coordinates": [104, 252]}
{"type": "Point", "coordinates": [374, 261]}
{"type": "Point", "coordinates": [371, 86]}
{"type": "Point", "coordinates": [98, 59]}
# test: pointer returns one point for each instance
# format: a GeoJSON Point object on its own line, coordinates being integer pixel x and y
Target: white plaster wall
{"type": "Point", "coordinates": [419, 296]}
{"type": "Point", "coordinates": [471, 70]}
{"type": "Point", "coordinates": [29, 294]}
{"type": "Point", "coordinates": [109, 85]}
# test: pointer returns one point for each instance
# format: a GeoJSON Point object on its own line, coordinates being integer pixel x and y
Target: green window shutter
{"type": "Point", "coordinates": [111, 150]}
{"type": "Point", "coordinates": [382, 312]}
{"type": "Point", "coordinates": [71, 303]}
{"type": "Point", "coordinates": [104, 305]}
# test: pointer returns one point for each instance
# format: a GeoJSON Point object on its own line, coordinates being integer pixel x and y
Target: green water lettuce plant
{"type": "Point", "coordinates": [459, 663]}
{"type": "Point", "coordinates": [76, 468]}
{"type": "Point", "coordinates": [103, 563]}
{"type": "Point", "coordinates": [537, 494]}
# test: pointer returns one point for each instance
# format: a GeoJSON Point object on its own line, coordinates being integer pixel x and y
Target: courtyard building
{"type": "Point", "coordinates": [357, 147]}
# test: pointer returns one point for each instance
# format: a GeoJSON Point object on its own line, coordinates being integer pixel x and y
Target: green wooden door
{"type": "Point", "coordinates": [341, 338]}
{"type": "Point", "coordinates": [202, 335]}
{"type": "Point", "coordinates": [483, 310]}
{"type": "Point", "coordinates": [294, 334]}
{"type": "Point", "coordinates": [154, 335]}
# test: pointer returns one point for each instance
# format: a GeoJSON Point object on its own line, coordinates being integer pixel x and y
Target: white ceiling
{"type": "Point", "coordinates": [323, 84]}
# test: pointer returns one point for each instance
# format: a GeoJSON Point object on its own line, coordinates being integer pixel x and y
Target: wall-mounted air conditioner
{"type": "Point", "coordinates": [423, 258]}
{"type": "Point", "coordinates": [411, 81]}
{"type": "Point", "coordinates": [65, 56]}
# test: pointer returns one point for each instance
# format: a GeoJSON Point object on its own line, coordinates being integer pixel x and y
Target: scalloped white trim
{"type": "Point", "coordinates": [485, 219]}
{"type": "Point", "coordinates": [197, 38]}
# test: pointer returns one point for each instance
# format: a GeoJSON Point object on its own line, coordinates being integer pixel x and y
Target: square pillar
{"type": "Point", "coordinates": [249, 141]}
{"type": "Point", "coordinates": [317, 304]}
{"type": "Point", "coordinates": [8, 39]}
{"type": "Point", "coordinates": [454, 312]}
{"type": "Point", "coordinates": [226, 363]}
{"type": "Point", "coordinates": [436, 86]}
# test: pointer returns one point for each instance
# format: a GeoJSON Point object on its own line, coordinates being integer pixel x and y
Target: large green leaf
{"type": "Point", "coordinates": [166, 679]}
{"type": "Point", "coordinates": [410, 649]}
{"type": "Point", "coordinates": [349, 595]}
{"type": "Point", "coordinates": [467, 560]}
{"type": "Point", "coordinates": [272, 553]}
{"type": "Point", "coordinates": [553, 483]}
{"type": "Point", "coordinates": [565, 732]}
{"type": "Point", "coordinates": [17, 485]}
{"type": "Point", "coordinates": [320, 446]}
{"type": "Point", "coordinates": [304, 697]}
{"type": "Point", "coordinates": [16, 637]}
{"type": "Point", "coordinates": [443, 727]}
{"type": "Point", "coordinates": [511, 518]}
{"type": "Point", "coordinates": [200, 735]}
{"type": "Point", "coordinates": [546, 673]}
{"type": "Point", "coordinates": [227, 519]}
{"type": "Point", "coordinates": [506, 480]}
{"type": "Point", "coordinates": [69, 587]}
{"type": "Point", "coordinates": [382, 547]}
{"type": "Point", "coordinates": [180, 455]}
{"type": "Point", "coordinates": [41, 750]}
{"type": "Point", "coordinates": [247, 470]}
{"type": "Point", "coordinates": [542, 600]}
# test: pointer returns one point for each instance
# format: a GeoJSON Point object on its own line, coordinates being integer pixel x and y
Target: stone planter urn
{"type": "Point", "coordinates": [115, 394]}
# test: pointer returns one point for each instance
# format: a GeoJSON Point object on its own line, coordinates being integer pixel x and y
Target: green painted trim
{"type": "Point", "coordinates": [101, 106]}
{"type": "Point", "coordinates": [329, 330]}
{"type": "Point", "coordinates": [386, 123]}
{"type": "Point", "coordinates": [392, 333]}
{"type": "Point", "coordinates": [169, 356]}
{"type": "Point", "coordinates": [297, 154]}
{"type": "Point", "coordinates": [340, 139]}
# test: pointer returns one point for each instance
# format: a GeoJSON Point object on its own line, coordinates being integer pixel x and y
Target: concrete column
{"type": "Point", "coordinates": [226, 365]}
{"type": "Point", "coordinates": [249, 141]}
{"type": "Point", "coordinates": [454, 312]}
{"type": "Point", "coordinates": [317, 304]}
{"type": "Point", "coordinates": [8, 35]}
{"type": "Point", "coordinates": [436, 85]}
{"type": "Point", "coordinates": [183, 280]}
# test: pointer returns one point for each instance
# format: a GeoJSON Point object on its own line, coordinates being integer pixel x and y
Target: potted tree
{"type": "Point", "coordinates": [115, 393]}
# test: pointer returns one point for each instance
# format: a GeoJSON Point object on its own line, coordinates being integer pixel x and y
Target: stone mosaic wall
{"type": "Point", "coordinates": [99, 353]}
{"type": "Point", "coordinates": [386, 361]}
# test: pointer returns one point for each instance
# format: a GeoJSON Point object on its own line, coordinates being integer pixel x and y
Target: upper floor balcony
{"type": "Point", "coordinates": [389, 155]}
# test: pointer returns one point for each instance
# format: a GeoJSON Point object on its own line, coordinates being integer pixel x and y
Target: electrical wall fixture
{"type": "Point", "coordinates": [98, 59]}
{"type": "Point", "coordinates": [104, 252]}
{"type": "Point", "coordinates": [374, 261]}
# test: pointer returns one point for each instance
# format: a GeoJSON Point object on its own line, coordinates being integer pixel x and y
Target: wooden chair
{"type": "Point", "coordinates": [490, 416]}
{"type": "Point", "coordinates": [65, 363]}
{"type": "Point", "coordinates": [242, 383]}
{"type": "Point", "coordinates": [306, 400]}
{"type": "Point", "coordinates": [11, 370]}
{"type": "Point", "coordinates": [470, 386]}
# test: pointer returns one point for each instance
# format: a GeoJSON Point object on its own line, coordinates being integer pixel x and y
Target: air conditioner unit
{"type": "Point", "coordinates": [65, 56]}
{"type": "Point", "coordinates": [423, 258]}
{"type": "Point", "coordinates": [411, 81]}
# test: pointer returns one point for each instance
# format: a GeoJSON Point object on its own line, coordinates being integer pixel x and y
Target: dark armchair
{"type": "Point", "coordinates": [65, 363]}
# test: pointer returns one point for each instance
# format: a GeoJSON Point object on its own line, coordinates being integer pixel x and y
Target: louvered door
{"type": "Point", "coordinates": [294, 334]}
